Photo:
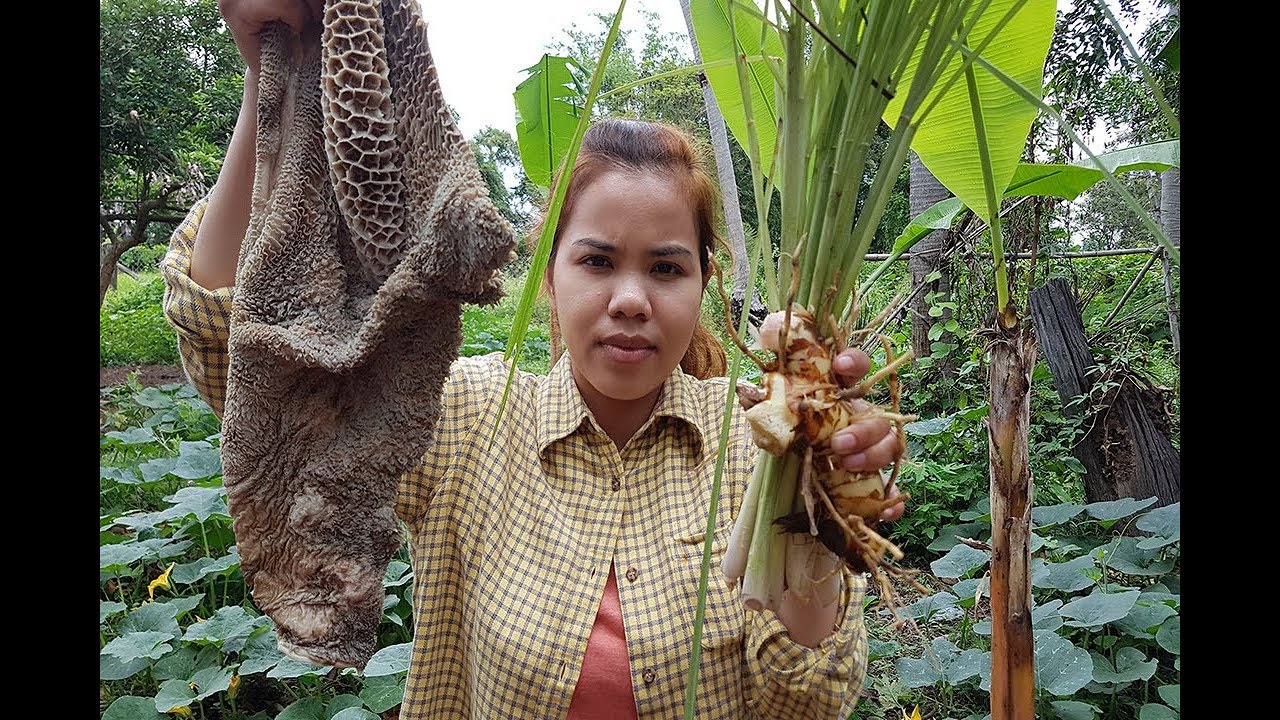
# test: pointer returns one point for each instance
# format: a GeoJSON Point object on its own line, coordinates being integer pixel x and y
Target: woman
{"type": "Point", "coordinates": [556, 570]}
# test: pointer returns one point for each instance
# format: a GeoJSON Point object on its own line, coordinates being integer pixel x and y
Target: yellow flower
{"type": "Point", "coordinates": [234, 687]}
{"type": "Point", "coordinates": [915, 714]}
{"type": "Point", "coordinates": [183, 711]}
{"type": "Point", "coordinates": [161, 581]}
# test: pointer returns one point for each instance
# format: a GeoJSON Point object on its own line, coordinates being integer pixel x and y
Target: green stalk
{"type": "Point", "coordinates": [1007, 317]}
{"type": "Point", "coordinates": [794, 139]}
{"type": "Point", "coordinates": [735, 556]}
{"type": "Point", "coordinates": [695, 660]}
{"type": "Point", "coordinates": [726, 422]}
{"type": "Point", "coordinates": [533, 282]}
{"type": "Point", "coordinates": [837, 202]}
{"type": "Point", "coordinates": [828, 94]}
{"type": "Point", "coordinates": [877, 200]}
{"type": "Point", "coordinates": [753, 154]}
{"type": "Point", "coordinates": [778, 540]}
{"type": "Point", "coordinates": [763, 579]}
{"type": "Point", "coordinates": [927, 74]}
{"type": "Point", "coordinates": [755, 583]}
{"type": "Point", "coordinates": [213, 589]}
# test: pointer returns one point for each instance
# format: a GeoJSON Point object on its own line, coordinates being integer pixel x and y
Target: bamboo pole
{"type": "Point", "coordinates": [1027, 256]}
{"type": "Point", "coordinates": [1132, 286]}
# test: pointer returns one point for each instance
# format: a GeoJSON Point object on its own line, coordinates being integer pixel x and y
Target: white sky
{"type": "Point", "coordinates": [481, 47]}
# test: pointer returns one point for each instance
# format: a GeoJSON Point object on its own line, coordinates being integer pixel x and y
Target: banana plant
{"type": "Point", "coordinates": [1012, 352]}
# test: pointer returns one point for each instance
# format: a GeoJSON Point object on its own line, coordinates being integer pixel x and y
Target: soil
{"type": "Point", "coordinates": [148, 375]}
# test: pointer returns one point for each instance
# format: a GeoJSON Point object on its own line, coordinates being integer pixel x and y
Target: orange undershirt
{"type": "Point", "coordinates": [604, 686]}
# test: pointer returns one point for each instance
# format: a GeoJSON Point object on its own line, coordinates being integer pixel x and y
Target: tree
{"type": "Point", "coordinates": [676, 99]}
{"type": "Point", "coordinates": [1126, 450]}
{"type": "Point", "coordinates": [926, 258]}
{"type": "Point", "coordinates": [496, 155]}
{"type": "Point", "coordinates": [728, 191]}
{"type": "Point", "coordinates": [170, 87]}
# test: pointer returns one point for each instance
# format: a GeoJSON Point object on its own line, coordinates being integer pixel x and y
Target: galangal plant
{"type": "Point", "coordinates": [806, 111]}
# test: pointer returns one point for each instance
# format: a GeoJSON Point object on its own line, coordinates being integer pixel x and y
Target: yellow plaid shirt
{"type": "Point", "coordinates": [512, 545]}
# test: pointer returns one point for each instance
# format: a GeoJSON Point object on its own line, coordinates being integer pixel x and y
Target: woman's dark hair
{"type": "Point", "coordinates": [646, 146]}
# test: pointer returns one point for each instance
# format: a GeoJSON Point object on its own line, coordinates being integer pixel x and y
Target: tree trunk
{"type": "Point", "coordinates": [728, 191]}
{"type": "Point", "coordinates": [1126, 451]}
{"type": "Point", "coordinates": [108, 254]}
{"type": "Point", "coordinates": [1171, 223]}
{"type": "Point", "coordinates": [1013, 357]}
{"type": "Point", "coordinates": [925, 258]}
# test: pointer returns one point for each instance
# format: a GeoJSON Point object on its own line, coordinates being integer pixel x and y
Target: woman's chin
{"type": "Point", "coordinates": [625, 381]}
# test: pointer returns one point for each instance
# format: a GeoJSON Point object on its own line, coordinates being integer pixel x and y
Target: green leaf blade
{"type": "Point", "coordinates": [946, 140]}
{"type": "Point", "coordinates": [717, 42]}
{"type": "Point", "coordinates": [547, 115]}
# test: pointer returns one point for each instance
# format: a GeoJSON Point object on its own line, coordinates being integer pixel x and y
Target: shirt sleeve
{"type": "Point", "coordinates": [200, 316]}
{"type": "Point", "coordinates": [790, 680]}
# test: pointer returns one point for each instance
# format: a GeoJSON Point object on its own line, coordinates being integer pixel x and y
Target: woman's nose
{"type": "Point", "coordinates": [630, 298]}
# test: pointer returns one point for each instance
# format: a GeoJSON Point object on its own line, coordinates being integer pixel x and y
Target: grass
{"type": "Point", "coordinates": [133, 330]}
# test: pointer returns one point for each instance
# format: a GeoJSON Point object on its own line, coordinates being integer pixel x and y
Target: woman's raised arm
{"type": "Point", "coordinates": [226, 218]}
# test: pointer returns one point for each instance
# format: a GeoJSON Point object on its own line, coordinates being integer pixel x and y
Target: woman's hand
{"type": "Point", "coordinates": [245, 19]}
{"type": "Point", "coordinates": [868, 444]}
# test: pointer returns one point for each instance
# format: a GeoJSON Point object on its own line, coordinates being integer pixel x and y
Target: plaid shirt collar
{"type": "Point", "coordinates": [564, 410]}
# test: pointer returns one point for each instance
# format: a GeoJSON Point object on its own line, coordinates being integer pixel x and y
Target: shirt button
{"type": "Point", "coordinates": [649, 677]}
{"type": "Point", "coordinates": [616, 484]}
{"type": "Point", "coordinates": [632, 574]}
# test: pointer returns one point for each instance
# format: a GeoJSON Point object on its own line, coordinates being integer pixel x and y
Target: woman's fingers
{"type": "Point", "coordinates": [866, 445]}
{"type": "Point", "coordinates": [896, 511]}
{"type": "Point", "coordinates": [850, 366]}
{"type": "Point", "coordinates": [246, 18]}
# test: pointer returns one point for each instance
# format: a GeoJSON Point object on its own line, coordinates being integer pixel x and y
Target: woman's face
{"type": "Point", "coordinates": [627, 283]}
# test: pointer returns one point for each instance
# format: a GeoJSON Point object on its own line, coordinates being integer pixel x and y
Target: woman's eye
{"type": "Point", "coordinates": [598, 261]}
{"type": "Point", "coordinates": [666, 268]}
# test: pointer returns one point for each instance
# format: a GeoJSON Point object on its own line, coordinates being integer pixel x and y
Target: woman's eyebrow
{"type": "Point", "coordinates": [600, 245]}
{"type": "Point", "coordinates": [607, 247]}
{"type": "Point", "coordinates": [669, 250]}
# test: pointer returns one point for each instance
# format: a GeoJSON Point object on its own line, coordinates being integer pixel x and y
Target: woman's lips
{"type": "Point", "coordinates": [627, 352]}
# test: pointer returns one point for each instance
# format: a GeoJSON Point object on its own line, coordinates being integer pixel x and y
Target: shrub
{"type": "Point", "coordinates": [177, 631]}
{"type": "Point", "coordinates": [1105, 613]}
{"type": "Point", "coordinates": [132, 327]}
{"type": "Point", "coordinates": [143, 258]}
